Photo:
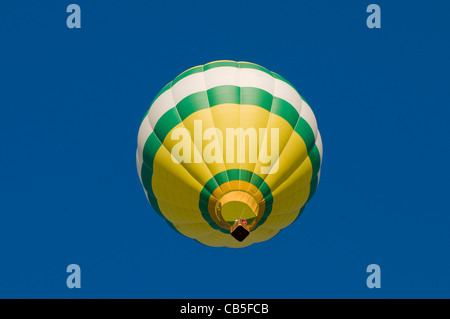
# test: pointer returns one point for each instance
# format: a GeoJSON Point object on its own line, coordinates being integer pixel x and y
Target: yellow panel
{"type": "Point", "coordinates": [285, 132]}
{"type": "Point", "coordinates": [172, 183]}
{"type": "Point", "coordinates": [250, 119]}
{"type": "Point", "coordinates": [197, 123]}
{"type": "Point", "coordinates": [199, 170]}
{"type": "Point", "coordinates": [297, 184]}
{"type": "Point", "coordinates": [290, 159]}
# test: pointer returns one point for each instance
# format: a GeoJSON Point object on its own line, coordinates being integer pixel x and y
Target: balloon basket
{"type": "Point", "coordinates": [240, 230]}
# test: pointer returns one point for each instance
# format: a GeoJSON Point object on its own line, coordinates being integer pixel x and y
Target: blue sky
{"type": "Point", "coordinates": [72, 101]}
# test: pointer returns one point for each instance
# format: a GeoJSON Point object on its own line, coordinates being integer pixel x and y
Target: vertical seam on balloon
{"type": "Point", "coordinates": [212, 117]}
{"type": "Point", "coordinates": [267, 125]}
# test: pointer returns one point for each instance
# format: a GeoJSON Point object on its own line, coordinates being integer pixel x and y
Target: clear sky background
{"type": "Point", "coordinates": [71, 104]}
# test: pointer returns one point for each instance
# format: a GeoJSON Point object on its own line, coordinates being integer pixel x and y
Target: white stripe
{"type": "Point", "coordinates": [144, 132]}
{"type": "Point", "coordinates": [187, 86]}
{"type": "Point", "coordinates": [308, 115]}
{"type": "Point", "coordinates": [139, 164]}
{"type": "Point", "coordinates": [146, 196]}
{"type": "Point", "coordinates": [162, 104]}
{"type": "Point", "coordinates": [319, 146]}
{"type": "Point", "coordinates": [257, 79]}
{"type": "Point", "coordinates": [221, 76]}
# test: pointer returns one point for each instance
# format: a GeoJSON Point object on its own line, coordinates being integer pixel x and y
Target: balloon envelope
{"type": "Point", "coordinates": [226, 141]}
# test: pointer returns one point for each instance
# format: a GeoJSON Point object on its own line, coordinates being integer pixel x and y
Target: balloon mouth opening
{"type": "Point", "coordinates": [237, 211]}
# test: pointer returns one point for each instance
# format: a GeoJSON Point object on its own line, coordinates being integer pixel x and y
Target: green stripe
{"type": "Point", "coordinates": [258, 97]}
{"type": "Point", "coordinates": [314, 156]}
{"type": "Point", "coordinates": [221, 178]}
{"type": "Point", "coordinates": [151, 147]}
{"type": "Point", "coordinates": [313, 186]}
{"type": "Point", "coordinates": [146, 176]}
{"type": "Point", "coordinates": [233, 174]}
{"type": "Point", "coordinates": [166, 123]}
{"type": "Point", "coordinates": [192, 103]}
{"type": "Point", "coordinates": [284, 109]}
{"type": "Point", "coordinates": [211, 185]}
{"type": "Point", "coordinates": [245, 175]}
{"type": "Point", "coordinates": [305, 131]}
{"type": "Point", "coordinates": [257, 181]}
{"type": "Point", "coordinates": [224, 94]}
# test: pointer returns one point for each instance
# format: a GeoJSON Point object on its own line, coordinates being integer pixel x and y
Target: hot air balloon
{"type": "Point", "coordinates": [229, 154]}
